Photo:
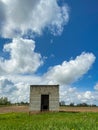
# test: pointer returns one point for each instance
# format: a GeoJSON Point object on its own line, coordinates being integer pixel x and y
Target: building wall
{"type": "Point", "coordinates": [35, 96]}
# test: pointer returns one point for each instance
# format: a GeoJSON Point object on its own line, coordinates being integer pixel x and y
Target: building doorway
{"type": "Point", "coordinates": [44, 102]}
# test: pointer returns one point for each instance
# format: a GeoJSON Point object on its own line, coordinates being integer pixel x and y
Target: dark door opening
{"type": "Point", "coordinates": [44, 102]}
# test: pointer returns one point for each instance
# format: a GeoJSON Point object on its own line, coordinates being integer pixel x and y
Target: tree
{"type": "Point", "coordinates": [71, 104]}
{"type": "Point", "coordinates": [62, 103]}
{"type": "Point", "coordinates": [4, 101]}
{"type": "Point", "coordinates": [83, 105]}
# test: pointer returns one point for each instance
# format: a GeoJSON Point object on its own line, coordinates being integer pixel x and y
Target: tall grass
{"type": "Point", "coordinates": [49, 121]}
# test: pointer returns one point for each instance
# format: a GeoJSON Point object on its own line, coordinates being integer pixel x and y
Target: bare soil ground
{"type": "Point", "coordinates": [79, 109]}
{"type": "Point", "coordinates": [8, 109]}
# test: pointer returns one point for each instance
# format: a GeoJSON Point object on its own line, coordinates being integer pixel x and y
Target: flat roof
{"type": "Point", "coordinates": [44, 85]}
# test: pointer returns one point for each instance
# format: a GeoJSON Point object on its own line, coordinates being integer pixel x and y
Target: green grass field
{"type": "Point", "coordinates": [49, 121]}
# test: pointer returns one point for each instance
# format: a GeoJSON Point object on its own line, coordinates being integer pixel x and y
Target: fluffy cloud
{"type": "Point", "coordinates": [14, 92]}
{"type": "Point", "coordinates": [2, 15]}
{"type": "Point", "coordinates": [16, 87]}
{"type": "Point", "coordinates": [69, 72]}
{"type": "Point", "coordinates": [96, 87]}
{"type": "Point", "coordinates": [22, 57]}
{"type": "Point", "coordinates": [71, 94]}
{"type": "Point", "coordinates": [18, 90]}
{"type": "Point", "coordinates": [23, 17]}
{"type": "Point", "coordinates": [5, 86]}
{"type": "Point", "coordinates": [66, 73]}
{"type": "Point", "coordinates": [86, 96]}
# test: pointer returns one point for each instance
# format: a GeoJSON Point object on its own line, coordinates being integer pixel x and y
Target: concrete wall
{"type": "Point", "coordinates": [35, 96]}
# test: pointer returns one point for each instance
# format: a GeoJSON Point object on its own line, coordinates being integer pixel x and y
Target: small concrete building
{"type": "Point", "coordinates": [44, 97]}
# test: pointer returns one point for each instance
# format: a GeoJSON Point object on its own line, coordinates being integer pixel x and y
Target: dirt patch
{"type": "Point", "coordinates": [9, 109]}
{"type": "Point", "coordinates": [79, 109]}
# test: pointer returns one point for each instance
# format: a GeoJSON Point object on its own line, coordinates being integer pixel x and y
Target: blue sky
{"type": "Point", "coordinates": [80, 35]}
{"type": "Point", "coordinates": [49, 43]}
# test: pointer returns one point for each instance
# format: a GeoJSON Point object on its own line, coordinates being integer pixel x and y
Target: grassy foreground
{"type": "Point", "coordinates": [49, 121]}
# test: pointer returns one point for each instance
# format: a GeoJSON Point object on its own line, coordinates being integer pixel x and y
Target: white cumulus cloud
{"type": "Point", "coordinates": [69, 72]}
{"type": "Point", "coordinates": [96, 87]}
{"type": "Point", "coordinates": [22, 17]}
{"type": "Point", "coordinates": [71, 94]}
{"type": "Point", "coordinates": [16, 86]}
{"type": "Point", "coordinates": [22, 57]}
{"type": "Point", "coordinates": [14, 92]}
{"type": "Point", "coordinates": [5, 86]}
{"type": "Point", "coordinates": [86, 96]}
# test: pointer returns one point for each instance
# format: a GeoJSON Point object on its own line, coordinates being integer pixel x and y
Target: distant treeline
{"type": "Point", "coordinates": [4, 101]}
{"type": "Point", "coordinates": [62, 103]}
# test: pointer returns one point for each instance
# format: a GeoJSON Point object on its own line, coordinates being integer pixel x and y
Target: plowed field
{"type": "Point", "coordinates": [62, 109]}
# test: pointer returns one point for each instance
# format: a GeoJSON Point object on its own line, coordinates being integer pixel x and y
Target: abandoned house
{"type": "Point", "coordinates": [44, 97]}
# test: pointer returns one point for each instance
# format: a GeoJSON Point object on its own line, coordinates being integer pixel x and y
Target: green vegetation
{"type": "Point", "coordinates": [49, 121]}
{"type": "Point", "coordinates": [4, 101]}
{"type": "Point", "coordinates": [62, 103]}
